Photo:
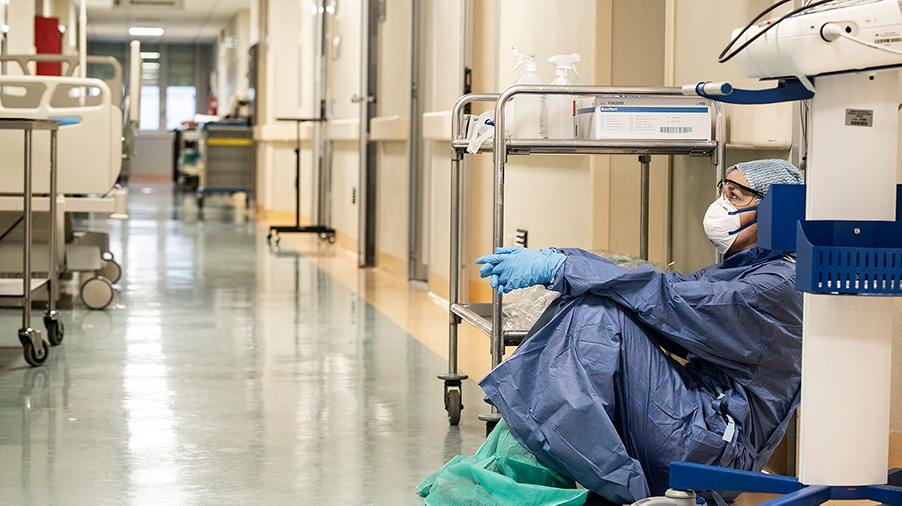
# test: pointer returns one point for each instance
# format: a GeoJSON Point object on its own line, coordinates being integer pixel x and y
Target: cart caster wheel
{"type": "Point", "coordinates": [269, 238]}
{"type": "Point", "coordinates": [97, 292]}
{"type": "Point", "coordinates": [454, 406]}
{"type": "Point", "coordinates": [331, 238]}
{"type": "Point", "coordinates": [32, 357]}
{"type": "Point", "coordinates": [276, 238]}
{"type": "Point", "coordinates": [110, 270]}
{"type": "Point", "coordinates": [55, 330]}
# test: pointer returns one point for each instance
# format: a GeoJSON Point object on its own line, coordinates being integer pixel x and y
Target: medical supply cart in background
{"type": "Point", "coordinates": [226, 160]}
{"type": "Point", "coordinates": [20, 291]}
{"type": "Point", "coordinates": [187, 158]}
{"type": "Point", "coordinates": [488, 317]}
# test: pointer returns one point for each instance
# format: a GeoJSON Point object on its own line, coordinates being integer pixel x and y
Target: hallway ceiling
{"type": "Point", "coordinates": [200, 20]}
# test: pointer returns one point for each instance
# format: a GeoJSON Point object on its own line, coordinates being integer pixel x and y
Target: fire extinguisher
{"type": "Point", "coordinates": [212, 105]}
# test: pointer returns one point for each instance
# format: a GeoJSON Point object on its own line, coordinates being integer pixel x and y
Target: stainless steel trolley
{"type": "Point", "coordinates": [487, 317]}
{"type": "Point", "coordinates": [226, 161]}
{"type": "Point", "coordinates": [36, 349]}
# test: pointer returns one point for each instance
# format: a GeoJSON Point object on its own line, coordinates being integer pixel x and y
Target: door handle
{"type": "Point", "coordinates": [356, 99]}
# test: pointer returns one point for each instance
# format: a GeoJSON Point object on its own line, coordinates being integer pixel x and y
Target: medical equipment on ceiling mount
{"type": "Point", "coordinates": [844, 56]}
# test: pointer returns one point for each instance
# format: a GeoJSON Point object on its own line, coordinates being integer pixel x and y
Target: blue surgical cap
{"type": "Point", "coordinates": [763, 173]}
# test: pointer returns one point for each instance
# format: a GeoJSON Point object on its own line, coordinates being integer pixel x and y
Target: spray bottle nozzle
{"type": "Point", "coordinates": [565, 62]}
{"type": "Point", "coordinates": [528, 57]}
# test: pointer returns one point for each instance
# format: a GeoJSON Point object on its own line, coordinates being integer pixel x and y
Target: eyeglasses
{"type": "Point", "coordinates": [737, 194]}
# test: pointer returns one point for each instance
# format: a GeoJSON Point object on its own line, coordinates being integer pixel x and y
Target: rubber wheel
{"type": "Point", "coordinates": [97, 292]}
{"type": "Point", "coordinates": [331, 238]}
{"type": "Point", "coordinates": [55, 331]}
{"type": "Point", "coordinates": [110, 270]}
{"type": "Point", "coordinates": [454, 406]}
{"type": "Point", "coordinates": [32, 358]}
{"type": "Point", "coordinates": [489, 427]}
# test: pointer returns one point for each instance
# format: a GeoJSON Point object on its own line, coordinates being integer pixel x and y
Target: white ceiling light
{"type": "Point", "coordinates": [150, 55]}
{"type": "Point", "coordinates": [144, 31]}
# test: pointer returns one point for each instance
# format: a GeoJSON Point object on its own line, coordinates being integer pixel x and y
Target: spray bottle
{"type": "Point", "coordinates": [528, 110]}
{"type": "Point", "coordinates": [560, 108]}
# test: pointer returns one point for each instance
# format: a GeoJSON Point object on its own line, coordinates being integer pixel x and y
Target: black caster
{"type": "Point", "coordinates": [55, 329]}
{"type": "Point", "coordinates": [491, 420]}
{"type": "Point", "coordinates": [453, 395]}
{"type": "Point", "coordinates": [33, 355]}
{"type": "Point", "coordinates": [453, 405]}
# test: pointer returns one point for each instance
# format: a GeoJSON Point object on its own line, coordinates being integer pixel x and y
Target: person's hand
{"type": "Point", "coordinates": [516, 267]}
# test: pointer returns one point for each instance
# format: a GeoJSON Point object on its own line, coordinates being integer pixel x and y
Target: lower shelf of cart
{"type": "Point", "coordinates": [479, 315]}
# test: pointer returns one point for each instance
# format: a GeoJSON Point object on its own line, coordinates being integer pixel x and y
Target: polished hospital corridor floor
{"type": "Point", "coordinates": [226, 373]}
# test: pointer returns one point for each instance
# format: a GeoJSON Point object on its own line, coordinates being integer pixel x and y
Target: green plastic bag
{"type": "Point", "coordinates": [501, 473]}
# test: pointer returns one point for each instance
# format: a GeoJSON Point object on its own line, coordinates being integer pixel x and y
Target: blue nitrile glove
{"type": "Point", "coordinates": [517, 267]}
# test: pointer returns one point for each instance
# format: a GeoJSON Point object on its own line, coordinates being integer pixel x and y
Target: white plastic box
{"type": "Point", "coordinates": [643, 118]}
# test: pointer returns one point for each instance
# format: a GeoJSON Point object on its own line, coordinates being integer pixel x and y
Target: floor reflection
{"type": "Point", "coordinates": [226, 374]}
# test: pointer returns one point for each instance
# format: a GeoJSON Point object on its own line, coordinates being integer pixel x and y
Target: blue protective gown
{"type": "Point", "coordinates": [593, 396]}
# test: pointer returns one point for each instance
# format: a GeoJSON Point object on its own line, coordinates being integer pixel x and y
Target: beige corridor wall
{"type": "Point", "coordinates": [702, 28]}
{"type": "Point", "coordinates": [392, 165]}
{"type": "Point", "coordinates": [345, 84]}
{"type": "Point", "coordinates": [442, 85]}
{"type": "Point", "coordinates": [558, 199]}
{"type": "Point", "coordinates": [896, 390]}
{"type": "Point", "coordinates": [232, 62]}
{"type": "Point", "coordinates": [283, 92]}
{"type": "Point", "coordinates": [638, 60]}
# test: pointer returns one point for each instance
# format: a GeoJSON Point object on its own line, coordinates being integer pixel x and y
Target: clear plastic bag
{"type": "Point", "coordinates": [523, 307]}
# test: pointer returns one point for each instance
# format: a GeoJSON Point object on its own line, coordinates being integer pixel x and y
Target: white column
{"type": "Point", "coordinates": [847, 340]}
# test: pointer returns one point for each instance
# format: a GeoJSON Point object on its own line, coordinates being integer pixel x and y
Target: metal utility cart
{"type": "Point", "coordinates": [325, 232]}
{"type": "Point", "coordinates": [488, 317]}
{"type": "Point", "coordinates": [187, 158]}
{"type": "Point", "coordinates": [20, 291]}
{"type": "Point", "coordinates": [227, 160]}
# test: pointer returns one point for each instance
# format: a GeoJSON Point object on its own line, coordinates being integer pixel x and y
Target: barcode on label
{"type": "Point", "coordinates": [676, 130]}
{"type": "Point", "coordinates": [888, 40]}
{"type": "Point", "coordinates": [859, 123]}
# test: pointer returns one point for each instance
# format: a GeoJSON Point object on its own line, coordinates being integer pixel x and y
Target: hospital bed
{"type": "Point", "coordinates": [90, 159]}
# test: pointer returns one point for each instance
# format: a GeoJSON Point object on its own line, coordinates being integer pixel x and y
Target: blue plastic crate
{"type": "Point", "coordinates": [849, 257]}
{"type": "Point", "coordinates": [783, 208]}
{"type": "Point", "coordinates": [778, 215]}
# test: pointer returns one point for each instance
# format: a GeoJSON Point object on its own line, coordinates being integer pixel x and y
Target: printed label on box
{"type": "Point", "coordinates": [670, 118]}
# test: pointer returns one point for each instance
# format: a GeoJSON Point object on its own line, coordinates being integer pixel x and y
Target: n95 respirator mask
{"type": "Point", "coordinates": [722, 223]}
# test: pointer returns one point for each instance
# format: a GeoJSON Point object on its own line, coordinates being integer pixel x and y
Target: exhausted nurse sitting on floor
{"type": "Point", "coordinates": [591, 396]}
